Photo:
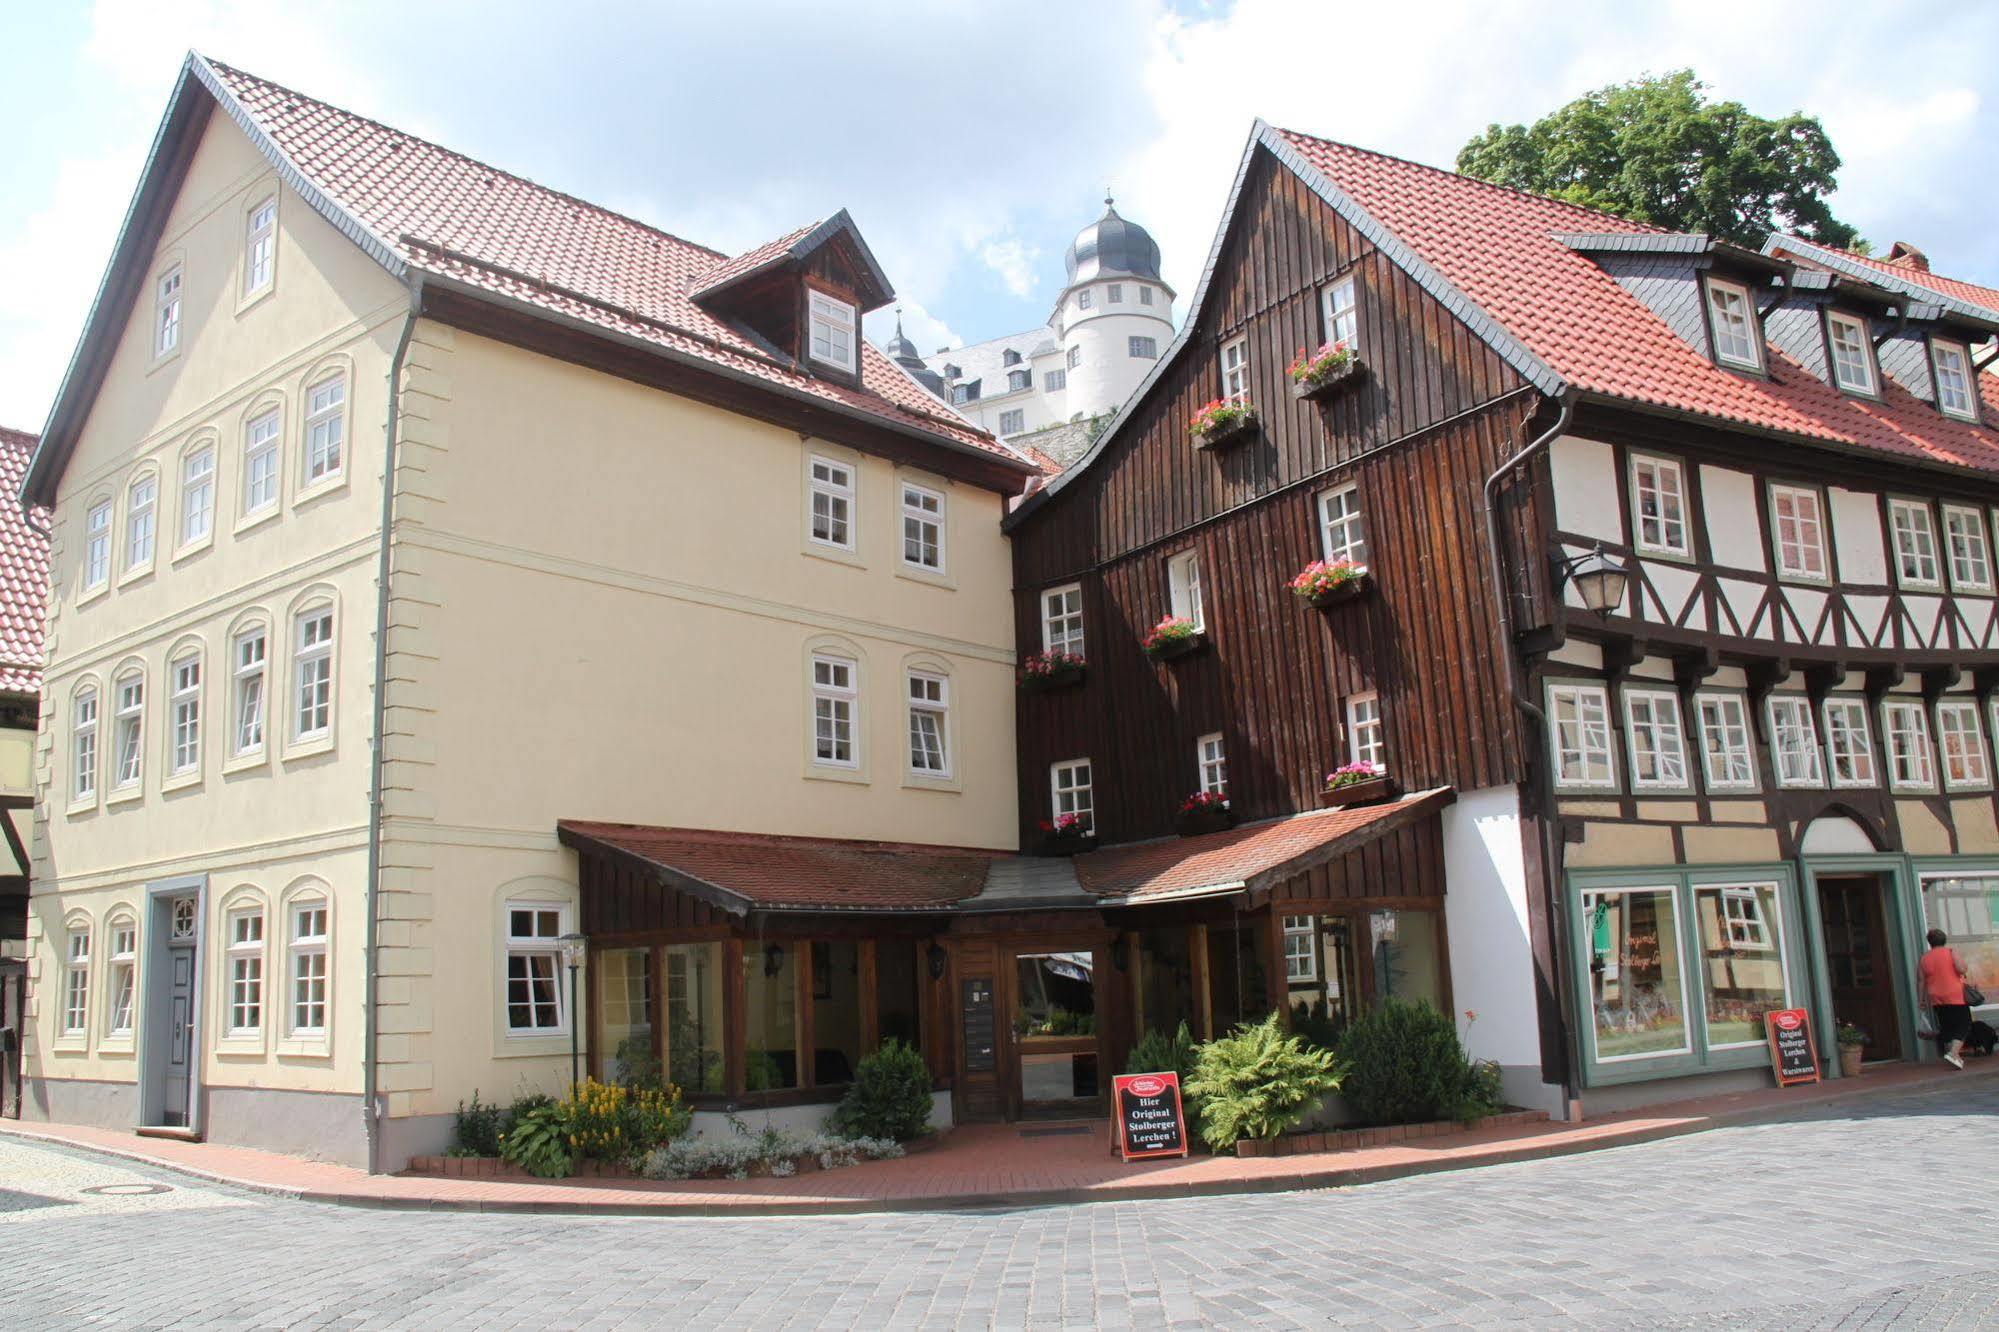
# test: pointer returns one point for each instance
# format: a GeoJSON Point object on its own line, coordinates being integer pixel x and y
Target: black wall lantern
{"type": "Point", "coordinates": [773, 959]}
{"type": "Point", "coordinates": [937, 957]}
{"type": "Point", "coordinates": [1599, 580]}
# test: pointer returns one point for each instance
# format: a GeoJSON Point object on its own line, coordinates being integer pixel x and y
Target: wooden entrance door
{"type": "Point", "coordinates": [1853, 912]}
{"type": "Point", "coordinates": [180, 1033]}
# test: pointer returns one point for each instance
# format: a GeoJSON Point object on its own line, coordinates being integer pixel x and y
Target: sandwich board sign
{"type": "Point", "coordinates": [1149, 1118]}
{"type": "Point", "coordinates": [1791, 1054]}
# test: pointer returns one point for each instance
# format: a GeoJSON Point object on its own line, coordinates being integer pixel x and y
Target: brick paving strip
{"type": "Point", "coordinates": [986, 1165]}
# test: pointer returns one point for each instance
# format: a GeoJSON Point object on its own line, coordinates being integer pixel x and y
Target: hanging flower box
{"type": "Point", "coordinates": [1045, 671]}
{"type": "Point", "coordinates": [1174, 636]}
{"type": "Point", "coordinates": [1222, 423]}
{"type": "Point", "coordinates": [1356, 784]}
{"type": "Point", "coordinates": [1066, 836]}
{"type": "Point", "coordinates": [1204, 812]}
{"type": "Point", "coordinates": [1326, 372]}
{"type": "Point", "coordinates": [1323, 584]}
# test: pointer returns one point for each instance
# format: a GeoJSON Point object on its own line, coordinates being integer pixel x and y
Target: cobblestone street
{"type": "Point", "coordinates": [1872, 1211]}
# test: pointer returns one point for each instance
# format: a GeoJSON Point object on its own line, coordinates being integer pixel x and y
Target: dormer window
{"type": "Point", "coordinates": [1953, 375]}
{"type": "Point", "coordinates": [832, 331]}
{"type": "Point", "coordinates": [1017, 380]}
{"type": "Point", "coordinates": [1732, 320]}
{"type": "Point", "coordinates": [1852, 358]}
{"type": "Point", "coordinates": [965, 392]}
{"type": "Point", "coordinates": [1009, 357]}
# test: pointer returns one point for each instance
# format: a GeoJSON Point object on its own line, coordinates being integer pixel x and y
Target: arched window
{"type": "Point", "coordinates": [312, 672]}
{"type": "Point", "coordinates": [325, 430]}
{"type": "Point", "coordinates": [128, 730]}
{"type": "Point", "coordinates": [184, 688]}
{"type": "Point", "coordinates": [122, 934]}
{"type": "Point", "coordinates": [142, 504]}
{"type": "Point", "coordinates": [76, 978]}
{"type": "Point", "coordinates": [83, 744]}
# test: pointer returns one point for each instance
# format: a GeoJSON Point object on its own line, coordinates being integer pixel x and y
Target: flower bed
{"type": "Point", "coordinates": [1204, 812]}
{"type": "Point", "coordinates": [744, 1156]}
{"type": "Point", "coordinates": [1325, 372]}
{"type": "Point", "coordinates": [1347, 1140]}
{"type": "Point", "coordinates": [1044, 671]}
{"type": "Point", "coordinates": [1324, 583]}
{"type": "Point", "coordinates": [1174, 636]}
{"type": "Point", "coordinates": [1221, 423]}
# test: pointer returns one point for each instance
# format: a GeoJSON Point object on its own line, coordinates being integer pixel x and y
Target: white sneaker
{"type": "Point", "coordinates": [1953, 1061]}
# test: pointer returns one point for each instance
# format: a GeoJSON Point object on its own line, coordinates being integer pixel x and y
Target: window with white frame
{"type": "Point", "coordinates": [1962, 741]}
{"type": "Point", "coordinates": [325, 429]}
{"type": "Point", "coordinates": [1732, 318]}
{"type": "Point", "coordinates": [1183, 587]}
{"type": "Point", "coordinates": [1366, 739]}
{"type": "Point", "coordinates": [312, 670]}
{"type": "Point", "coordinates": [1852, 361]}
{"type": "Point", "coordinates": [1085, 299]}
{"type": "Point", "coordinates": [1016, 380]}
{"type": "Point", "coordinates": [141, 521]}
{"type": "Point", "coordinates": [83, 744]}
{"type": "Point", "coordinates": [1013, 421]}
{"type": "Point", "coordinates": [1800, 532]}
{"type": "Point", "coordinates": [1580, 716]}
{"type": "Point", "coordinates": [1211, 758]}
{"type": "Point", "coordinates": [1071, 794]}
{"type": "Point", "coordinates": [128, 731]}
{"type": "Point", "coordinates": [1145, 295]}
{"type": "Point", "coordinates": [929, 725]}
{"type": "Point", "coordinates": [534, 960]}
{"type": "Point", "coordinates": [1953, 376]}
{"type": "Point", "coordinates": [246, 972]}
{"type": "Point", "coordinates": [1652, 728]}
{"type": "Point", "coordinates": [166, 312]}
{"type": "Point", "coordinates": [832, 331]}
{"type": "Point", "coordinates": [1659, 505]}
{"type": "Point", "coordinates": [922, 528]}
{"type": "Point", "coordinates": [832, 503]}
{"type": "Point", "coordinates": [1742, 920]}
{"type": "Point", "coordinates": [1915, 543]}
{"type": "Point", "coordinates": [260, 463]}
{"type": "Point", "coordinates": [1142, 348]}
{"type": "Point", "coordinates": [259, 244]}
{"type": "Point", "coordinates": [76, 984]}
{"type": "Point", "coordinates": [97, 545]}
{"type": "Point", "coordinates": [197, 496]}
{"type": "Point", "coordinates": [1301, 948]}
{"type": "Point", "coordinates": [1725, 753]}
{"type": "Point", "coordinates": [1235, 370]}
{"type": "Point", "coordinates": [1339, 315]}
{"type": "Point", "coordinates": [1062, 619]}
{"type": "Point", "coordinates": [834, 693]}
{"type": "Point", "coordinates": [1907, 728]}
{"type": "Point", "coordinates": [1054, 381]}
{"type": "Point", "coordinates": [248, 655]}
{"type": "Point", "coordinates": [1114, 293]}
{"type": "Point", "coordinates": [1794, 742]}
{"type": "Point", "coordinates": [1075, 357]}
{"type": "Point", "coordinates": [184, 707]}
{"type": "Point", "coordinates": [308, 967]}
{"type": "Point", "coordinates": [1964, 540]}
{"type": "Point", "coordinates": [1342, 529]}
{"type": "Point", "coordinates": [123, 960]}
{"type": "Point", "coordinates": [1849, 742]}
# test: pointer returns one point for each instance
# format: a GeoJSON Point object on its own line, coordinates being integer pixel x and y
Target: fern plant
{"type": "Point", "coordinates": [1257, 1082]}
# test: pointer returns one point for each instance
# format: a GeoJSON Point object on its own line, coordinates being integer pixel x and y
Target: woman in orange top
{"type": "Point", "coordinates": [1941, 973]}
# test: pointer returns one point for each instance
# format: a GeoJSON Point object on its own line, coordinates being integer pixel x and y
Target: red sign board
{"type": "Point", "coordinates": [1792, 1057]}
{"type": "Point", "coordinates": [1148, 1115]}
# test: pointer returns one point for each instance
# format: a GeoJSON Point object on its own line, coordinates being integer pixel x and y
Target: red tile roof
{"type": "Point", "coordinates": [447, 214]}
{"type": "Point", "coordinates": [1971, 293]}
{"type": "Point", "coordinates": [1499, 247]}
{"type": "Point", "coordinates": [24, 575]}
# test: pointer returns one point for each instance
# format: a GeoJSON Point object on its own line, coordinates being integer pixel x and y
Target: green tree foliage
{"type": "Point", "coordinates": [889, 1098]}
{"type": "Point", "coordinates": [1657, 150]}
{"type": "Point", "coordinates": [1258, 1081]}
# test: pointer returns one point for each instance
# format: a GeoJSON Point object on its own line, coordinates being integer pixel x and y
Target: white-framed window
{"type": "Point", "coordinates": [1970, 554]}
{"type": "Point", "coordinates": [1800, 531]}
{"type": "Point", "coordinates": [1054, 381]}
{"type": "Point", "coordinates": [1114, 293]}
{"type": "Point", "coordinates": [1580, 717]}
{"type": "Point", "coordinates": [124, 959]}
{"type": "Point", "coordinates": [1016, 380]}
{"type": "Point", "coordinates": [1085, 299]}
{"type": "Point", "coordinates": [1733, 320]}
{"type": "Point", "coordinates": [1071, 792]}
{"type": "Point", "coordinates": [1915, 543]}
{"type": "Point", "coordinates": [1652, 728]}
{"type": "Point", "coordinates": [1142, 348]}
{"type": "Point", "coordinates": [929, 725]}
{"type": "Point", "coordinates": [312, 671]}
{"type": "Point", "coordinates": [1013, 421]}
{"type": "Point", "coordinates": [1953, 376]}
{"type": "Point", "coordinates": [1183, 588]}
{"type": "Point", "coordinates": [1338, 314]}
{"type": "Point", "coordinates": [184, 708]}
{"type": "Point", "coordinates": [128, 731]}
{"type": "Point", "coordinates": [1367, 740]}
{"type": "Point", "coordinates": [166, 312]}
{"type": "Point", "coordinates": [83, 744]}
{"type": "Point", "coordinates": [307, 948]}
{"type": "Point", "coordinates": [1301, 948]}
{"type": "Point", "coordinates": [1145, 295]}
{"type": "Point", "coordinates": [1852, 359]}
{"type": "Point", "coordinates": [834, 694]}
{"type": "Point", "coordinates": [246, 972]}
{"type": "Point", "coordinates": [1962, 742]}
{"type": "Point", "coordinates": [97, 545]}
{"type": "Point", "coordinates": [1342, 529]}
{"type": "Point", "coordinates": [534, 966]}
{"type": "Point", "coordinates": [832, 334]}
{"type": "Point", "coordinates": [922, 528]}
{"type": "Point", "coordinates": [1075, 357]}
{"type": "Point", "coordinates": [831, 488]}
{"type": "Point", "coordinates": [76, 984]}
{"type": "Point", "coordinates": [325, 429]}
{"type": "Point", "coordinates": [1636, 969]}
{"type": "Point", "coordinates": [1742, 920]}
{"type": "Point", "coordinates": [1849, 742]}
{"type": "Point", "coordinates": [260, 463]}
{"type": "Point", "coordinates": [1235, 370]}
{"type": "Point", "coordinates": [1212, 761]}
{"type": "Point", "coordinates": [260, 241]}
{"type": "Point", "coordinates": [142, 504]}
{"type": "Point", "coordinates": [1794, 742]}
{"type": "Point", "coordinates": [248, 667]}
{"type": "Point", "coordinates": [1726, 757]}
{"type": "Point", "coordinates": [1062, 619]}
{"type": "Point", "coordinates": [1906, 725]}
{"type": "Point", "coordinates": [197, 495]}
{"type": "Point", "coordinates": [1659, 505]}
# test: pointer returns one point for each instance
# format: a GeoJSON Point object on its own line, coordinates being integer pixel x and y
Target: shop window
{"type": "Point", "coordinates": [1966, 907]}
{"type": "Point", "coordinates": [1407, 962]}
{"type": "Point", "coordinates": [1321, 974]}
{"type": "Point", "coordinates": [1637, 991]}
{"type": "Point", "coordinates": [836, 1011]}
{"type": "Point", "coordinates": [898, 993]}
{"type": "Point", "coordinates": [692, 988]}
{"type": "Point", "coordinates": [770, 1012]}
{"type": "Point", "coordinates": [1741, 959]}
{"type": "Point", "coordinates": [624, 1011]}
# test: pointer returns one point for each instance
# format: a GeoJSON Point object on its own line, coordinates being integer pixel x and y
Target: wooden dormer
{"type": "Point", "coordinates": [808, 282]}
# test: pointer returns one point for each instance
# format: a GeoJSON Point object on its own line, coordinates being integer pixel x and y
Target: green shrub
{"type": "Point", "coordinates": [1156, 1052]}
{"type": "Point", "coordinates": [1317, 1024]}
{"type": "Point", "coordinates": [538, 1142]}
{"type": "Point", "coordinates": [1258, 1081]}
{"type": "Point", "coordinates": [613, 1122]}
{"type": "Point", "coordinates": [1405, 1065]}
{"type": "Point", "coordinates": [889, 1098]}
{"type": "Point", "coordinates": [477, 1128]}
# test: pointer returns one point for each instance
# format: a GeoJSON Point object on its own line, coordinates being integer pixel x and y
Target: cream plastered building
{"type": "Point", "coordinates": [401, 508]}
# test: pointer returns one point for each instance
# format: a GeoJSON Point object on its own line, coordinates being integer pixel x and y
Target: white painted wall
{"type": "Point", "coordinates": [1859, 553]}
{"type": "Point", "coordinates": [1586, 488]}
{"type": "Point", "coordinates": [1734, 531]}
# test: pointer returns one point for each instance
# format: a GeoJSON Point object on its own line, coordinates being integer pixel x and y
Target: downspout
{"type": "Point", "coordinates": [370, 1118]}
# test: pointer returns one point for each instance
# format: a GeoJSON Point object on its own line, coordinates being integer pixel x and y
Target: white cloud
{"type": "Point", "coordinates": [924, 329]}
{"type": "Point", "coordinates": [1016, 262]}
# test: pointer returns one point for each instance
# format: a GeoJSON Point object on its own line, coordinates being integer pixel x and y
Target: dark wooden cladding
{"type": "Point", "coordinates": [617, 899]}
{"type": "Point", "coordinates": [1406, 864]}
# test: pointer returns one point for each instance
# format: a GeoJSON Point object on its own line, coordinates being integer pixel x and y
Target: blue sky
{"type": "Point", "coordinates": [970, 140]}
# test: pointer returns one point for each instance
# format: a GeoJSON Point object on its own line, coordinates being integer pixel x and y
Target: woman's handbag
{"type": "Point", "coordinates": [1973, 995]}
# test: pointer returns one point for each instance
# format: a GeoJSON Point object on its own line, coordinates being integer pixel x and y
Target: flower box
{"type": "Point", "coordinates": [1341, 593]}
{"type": "Point", "coordinates": [1323, 584]}
{"type": "Point", "coordinates": [1204, 819]}
{"type": "Point", "coordinates": [1225, 434]}
{"type": "Point", "coordinates": [1332, 383]}
{"type": "Point", "coordinates": [1053, 844]}
{"type": "Point", "coordinates": [1372, 791]}
{"type": "Point", "coordinates": [1168, 649]}
{"type": "Point", "coordinates": [1045, 671]}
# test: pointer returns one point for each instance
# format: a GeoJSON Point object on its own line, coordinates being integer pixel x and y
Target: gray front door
{"type": "Point", "coordinates": [180, 1032]}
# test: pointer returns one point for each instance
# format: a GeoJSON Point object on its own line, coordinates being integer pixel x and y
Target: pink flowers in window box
{"type": "Point", "coordinates": [1328, 584]}
{"type": "Point", "coordinates": [1050, 670]}
{"type": "Point", "coordinates": [1066, 835]}
{"type": "Point", "coordinates": [1357, 784]}
{"type": "Point", "coordinates": [1204, 812]}
{"type": "Point", "coordinates": [1316, 373]}
{"type": "Point", "coordinates": [1352, 774]}
{"type": "Point", "coordinates": [1173, 636]}
{"type": "Point", "coordinates": [1220, 422]}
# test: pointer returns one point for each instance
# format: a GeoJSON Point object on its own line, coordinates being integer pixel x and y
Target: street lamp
{"type": "Point", "coordinates": [572, 954]}
{"type": "Point", "coordinates": [1599, 580]}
